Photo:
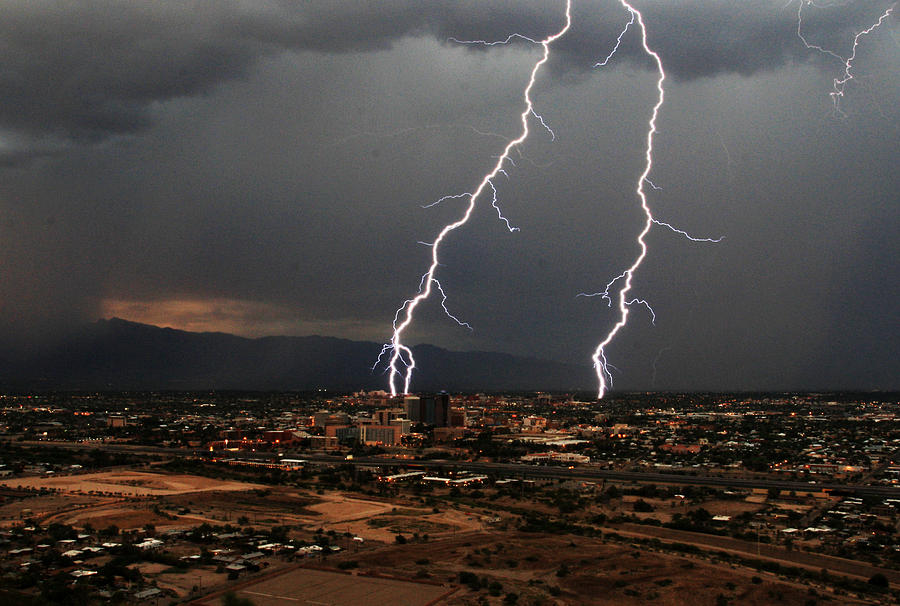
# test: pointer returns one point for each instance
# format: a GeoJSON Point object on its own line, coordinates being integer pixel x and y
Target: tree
{"type": "Point", "coordinates": [230, 599]}
{"type": "Point", "coordinates": [58, 590]}
{"type": "Point", "coordinates": [58, 532]}
{"type": "Point", "coordinates": [642, 506]}
{"type": "Point", "coordinates": [110, 531]}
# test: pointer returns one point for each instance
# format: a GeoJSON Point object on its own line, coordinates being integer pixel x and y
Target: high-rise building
{"type": "Point", "coordinates": [456, 417]}
{"type": "Point", "coordinates": [431, 409]}
{"type": "Point", "coordinates": [384, 416]}
{"type": "Point", "coordinates": [414, 409]}
{"type": "Point", "coordinates": [436, 409]}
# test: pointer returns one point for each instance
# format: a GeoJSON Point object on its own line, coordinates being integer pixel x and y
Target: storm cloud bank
{"type": "Point", "coordinates": [89, 70]}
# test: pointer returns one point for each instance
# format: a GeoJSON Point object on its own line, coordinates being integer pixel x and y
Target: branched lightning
{"type": "Point", "coordinates": [645, 304]}
{"type": "Point", "coordinates": [401, 354]}
{"type": "Point", "coordinates": [618, 42]}
{"type": "Point", "coordinates": [540, 119]}
{"type": "Point", "coordinates": [444, 306]}
{"type": "Point", "coordinates": [508, 39]}
{"type": "Point", "coordinates": [685, 234]}
{"type": "Point", "coordinates": [401, 363]}
{"type": "Point", "coordinates": [450, 197]}
{"type": "Point", "coordinates": [839, 83]}
{"type": "Point", "coordinates": [601, 365]}
{"type": "Point", "coordinates": [497, 206]}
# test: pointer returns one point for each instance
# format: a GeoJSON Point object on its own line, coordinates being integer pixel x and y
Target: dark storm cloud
{"type": "Point", "coordinates": [88, 70]}
{"type": "Point", "coordinates": [708, 38]}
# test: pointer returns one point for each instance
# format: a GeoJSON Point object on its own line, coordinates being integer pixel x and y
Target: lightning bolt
{"type": "Point", "coordinates": [601, 365]}
{"type": "Point", "coordinates": [839, 83]}
{"type": "Point", "coordinates": [401, 362]}
{"type": "Point", "coordinates": [401, 354]}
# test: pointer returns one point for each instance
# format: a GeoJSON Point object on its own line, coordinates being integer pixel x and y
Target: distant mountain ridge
{"type": "Point", "coordinates": [118, 354]}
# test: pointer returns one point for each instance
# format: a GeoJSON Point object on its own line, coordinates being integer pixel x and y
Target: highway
{"type": "Point", "coordinates": [500, 470]}
{"type": "Point", "coordinates": [523, 471]}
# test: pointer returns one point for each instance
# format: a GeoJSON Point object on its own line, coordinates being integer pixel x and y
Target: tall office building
{"type": "Point", "coordinates": [414, 410]}
{"type": "Point", "coordinates": [431, 409]}
{"type": "Point", "coordinates": [437, 409]}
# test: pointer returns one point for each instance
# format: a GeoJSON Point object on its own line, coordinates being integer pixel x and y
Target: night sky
{"type": "Point", "coordinates": [261, 167]}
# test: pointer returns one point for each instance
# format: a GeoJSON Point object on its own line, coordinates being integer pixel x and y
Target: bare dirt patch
{"type": "Point", "coordinates": [40, 506]}
{"type": "Point", "coordinates": [382, 520]}
{"type": "Point", "coordinates": [729, 508]}
{"type": "Point", "coordinates": [125, 517]}
{"type": "Point", "coordinates": [337, 508]}
{"type": "Point", "coordinates": [184, 584]}
{"type": "Point", "coordinates": [132, 483]}
{"type": "Point", "coordinates": [306, 586]}
{"type": "Point", "coordinates": [564, 570]}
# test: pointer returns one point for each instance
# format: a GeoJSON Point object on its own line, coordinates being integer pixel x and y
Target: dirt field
{"type": "Point", "coordinates": [130, 483]}
{"type": "Point", "coordinates": [539, 568]}
{"type": "Point", "coordinates": [306, 586]}
{"type": "Point", "coordinates": [184, 501]}
{"type": "Point", "coordinates": [381, 521]}
{"type": "Point", "coordinates": [813, 561]}
{"type": "Point", "coordinates": [183, 584]}
{"type": "Point", "coordinates": [548, 569]}
{"type": "Point", "coordinates": [100, 515]}
{"type": "Point", "coordinates": [39, 506]}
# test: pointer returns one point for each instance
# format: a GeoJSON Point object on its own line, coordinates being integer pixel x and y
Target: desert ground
{"type": "Point", "coordinates": [474, 550]}
{"type": "Point", "coordinates": [128, 483]}
{"type": "Point", "coordinates": [310, 586]}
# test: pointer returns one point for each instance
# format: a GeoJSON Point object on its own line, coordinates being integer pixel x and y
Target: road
{"type": "Point", "coordinates": [519, 470]}
{"type": "Point", "coordinates": [506, 470]}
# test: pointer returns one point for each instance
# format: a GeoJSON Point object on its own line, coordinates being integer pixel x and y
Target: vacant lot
{"type": "Point", "coordinates": [570, 570]}
{"type": "Point", "coordinates": [130, 483]}
{"type": "Point", "coordinates": [38, 507]}
{"type": "Point", "coordinates": [305, 586]}
{"type": "Point", "coordinates": [381, 520]}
